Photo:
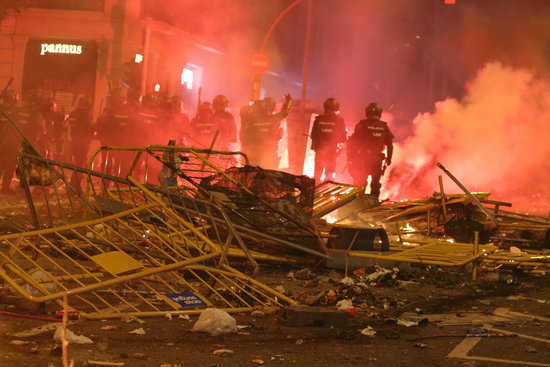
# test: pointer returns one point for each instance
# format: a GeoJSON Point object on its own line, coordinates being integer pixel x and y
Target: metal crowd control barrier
{"type": "Point", "coordinates": [207, 175]}
{"type": "Point", "coordinates": [143, 261]}
{"type": "Point", "coordinates": [432, 252]}
{"type": "Point", "coordinates": [145, 163]}
{"type": "Point", "coordinates": [504, 261]}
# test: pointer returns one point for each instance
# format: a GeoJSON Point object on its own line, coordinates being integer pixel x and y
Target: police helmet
{"type": "Point", "coordinates": [205, 107]}
{"type": "Point", "coordinates": [373, 110]}
{"type": "Point", "coordinates": [220, 102]}
{"type": "Point", "coordinates": [331, 104]}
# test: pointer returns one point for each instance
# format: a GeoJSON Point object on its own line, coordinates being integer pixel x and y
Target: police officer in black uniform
{"type": "Point", "coordinates": [260, 131]}
{"type": "Point", "coordinates": [150, 121]}
{"type": "Point", "coordinates": [224, 122]}
{"type": "Point", "coordinates": [116, 127]}
{"type": "Point", "coordinates": [202, 127]}
{"type": "Point", "coordinates": [327, 137]}
{"type": "Point", "coordinates": [365, 149]}
{"type": "Point", "coordinates": [81, 130]}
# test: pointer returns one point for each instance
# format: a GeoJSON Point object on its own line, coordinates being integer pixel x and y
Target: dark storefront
{"type": "Point", "coordinates": [61, 69]}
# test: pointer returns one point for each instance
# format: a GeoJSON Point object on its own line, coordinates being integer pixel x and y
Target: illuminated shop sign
{"type": "Point", "coordinates": [60, 48]}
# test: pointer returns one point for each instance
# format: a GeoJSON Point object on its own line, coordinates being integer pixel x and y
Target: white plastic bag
{"type": "Point", "coordinates": [215, 322]}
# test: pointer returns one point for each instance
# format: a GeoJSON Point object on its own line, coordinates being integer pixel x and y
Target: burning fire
{"type": "Point", "coordinates": [505, 114]}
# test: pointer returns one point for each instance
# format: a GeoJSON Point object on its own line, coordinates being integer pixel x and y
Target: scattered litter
{"type": "Point", "coordinates": [223, 352]}
{"type": "Point", "coordinates": [310, 283]}
{"type": "Point", "coordinates": [105, 364]}
{"type": "Point", "coordinates": [185, 317]}
{"type": "Point", "coordinates": [381, 273]}
{"type": "Point", "coordinates": [344, 304]}
{"type": "Point", "coordinates": [56, 350]}
{"type": "Point", "coordinates": [347, 281]}
{"type": "Point", "coordinates": [531, 349]}
{"type": "Point", "coordinates": [368, 331]}
{"type": "Point", "coordinates": [331, 296]}
{"type": "Point", "coordinates": [259, 362]}
{"type": "Point", "coordinates": [409, 319]}
{"type": "Point", "coordinates": [19, 342]}
{"type": "Point", "coordinates": [476, 330]}
{"type": "Point", "coordinates": [500, 278]}
{"type": "Point", "coordinates": [129, 318]}
{"type": "Point", "coordinates": [420, 345]}
{"type": "Point", "coordinates": [109, 327]}
{"type": "Point", "coordinates": [257, 313]}
{"type": "Point", "coordinates": [41, 278]}
{"type": "Point", "coordinates": [168, 315]}
{"type": "Point", "coordinates": [215, 322]}
{"type": "Point", "coordinates": [71, 314]}
{"type": "Point", "coordinates": [139, 356]}
{"type": "Point", "coordinates": [71, 337]}
{"type": "Point", "coordinates": [139, 331]}
{"type": "Point", "coordinates": [303, 274]}
{"type": "Point", "coordinates": [299, 341]}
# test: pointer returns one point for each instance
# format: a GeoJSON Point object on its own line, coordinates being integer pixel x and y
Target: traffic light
{"type": "Point", "coordinates": [131, 75]}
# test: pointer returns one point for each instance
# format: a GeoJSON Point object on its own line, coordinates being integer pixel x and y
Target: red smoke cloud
{"type": "Point", "coordinates": [495, 139]}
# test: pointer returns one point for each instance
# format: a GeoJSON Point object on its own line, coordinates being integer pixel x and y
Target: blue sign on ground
{"type": "Point", "coordinates": [186, 299]}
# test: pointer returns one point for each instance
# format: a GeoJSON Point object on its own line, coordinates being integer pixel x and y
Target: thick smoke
{"type": "Point", "coordinates": [494, 139]}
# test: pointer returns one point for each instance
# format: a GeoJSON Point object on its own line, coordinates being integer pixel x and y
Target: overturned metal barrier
{"type": "Point", "coordinates": [144, 261]}
{"type": "Point", "coordinates": [273, 203]}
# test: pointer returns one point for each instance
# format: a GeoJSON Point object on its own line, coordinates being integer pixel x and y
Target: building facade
{"type": "Point", "coordinates": [67, 49]}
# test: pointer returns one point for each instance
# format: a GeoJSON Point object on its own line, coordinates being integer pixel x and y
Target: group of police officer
{"type": "Point", "coordinates": [40, 122]}
{"type": "Point", "coordinates": [369, 149]}
{"type": "Point", "coordinates": [130, 119]}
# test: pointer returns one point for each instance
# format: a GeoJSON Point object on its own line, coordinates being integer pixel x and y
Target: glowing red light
{"type": "Point", "coordinates": [157, 87]}
{"type": "Point", "coordinates": [449, 2]}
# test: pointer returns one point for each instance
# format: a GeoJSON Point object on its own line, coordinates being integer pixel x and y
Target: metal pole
{"type": "Point", "coordinates": [443, 204]}
{"type": "Point", "coordinates": [306, 57]}
{"type": "Point", "coordinates": [469, 194]}
{"type": "Point", "coordinates": [476, 252]}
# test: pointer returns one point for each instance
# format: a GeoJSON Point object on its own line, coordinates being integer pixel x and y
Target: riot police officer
{"type": "Point", "coordinates": [260, 131]}
{"type": "Point", "coordinates": [179, 121]}
{"type": "Point", "coordinates": [327, 137]}
{"type": "Point", "coordinates": [224, 122]}
{"type": "Point", "coordinates": [149, 116]}
{"type": "Point", "coordinates": [365, 149]}
{"type": "Point", "coordinates": [202, 127]}
{"type": "Point", "coordinates": [116, 127]}
{"type": "Point", "coordinates": [81, 130]}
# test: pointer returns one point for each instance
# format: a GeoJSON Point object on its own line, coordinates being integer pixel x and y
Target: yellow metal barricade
{"type": "Point", "coordinates": [144, 261]}
{"type": "Point", "coordinates": [443, 254]}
